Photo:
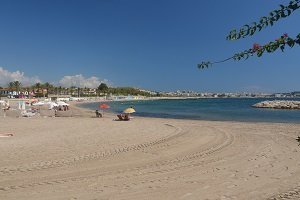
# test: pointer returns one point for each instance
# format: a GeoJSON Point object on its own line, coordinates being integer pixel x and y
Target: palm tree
{"type": "Point", "coordinates": [78, 92]}
{"type": "Point", "coordinates": [17, 85]}
{"type": "Point", "coordinates": [47, 86]}
{"type": "Point", "coordinates": [72, 89]}
{"type": "Point", "coordinates": [11, 86]}
{"type": "Point", "coordinates": [38, 86]}
{"type": "Point", "coordinates": [59, 90]}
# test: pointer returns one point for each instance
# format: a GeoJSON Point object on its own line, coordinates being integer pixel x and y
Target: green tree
{"type": "Point", "coordinates": [47, 86]}
{"type": "Point", "coordinates": [102, 88]}
{"type": "Point", "coordinates": [11, 86]}
{"type": "Point", "coordinates": [78, 91]}
{"type": "Point", "coordinates": [60, 90]}
{"type": "Point", "coordinates": [38, 87]}
{"type": "Point", "coordinates": [17, 85]}
{"type": "Point", "coordinates": [14, 85]}
{"type": "Point", "coordinates": [72, 90]}
{"type": "Point", "coordinates": [250, 29]}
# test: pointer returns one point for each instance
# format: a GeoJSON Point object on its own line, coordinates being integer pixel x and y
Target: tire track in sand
{"type": "Point", "coordinates": [42, 165]}
{"type": "Point", "coordinates": [156, 168]}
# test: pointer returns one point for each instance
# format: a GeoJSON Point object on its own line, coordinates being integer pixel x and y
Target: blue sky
{"type": "Point", "coordinates": [152, 44]}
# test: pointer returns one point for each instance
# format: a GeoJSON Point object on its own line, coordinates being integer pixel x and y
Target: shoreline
{"type": "Point", "coordinates": [181, 118]}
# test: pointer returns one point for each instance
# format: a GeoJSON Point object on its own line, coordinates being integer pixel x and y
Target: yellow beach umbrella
{"type": "Point", "coordinates": [129, 110]}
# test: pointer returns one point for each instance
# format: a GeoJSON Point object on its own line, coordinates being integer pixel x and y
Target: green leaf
{"type": "Point", "coordinates": [259, 27]}
{"type": "Point", "coordinates": [290, 42]}
{"type": "Point", "coordinates": [259, 53]}
{"type": "Point", "coordinates": [271, 22]}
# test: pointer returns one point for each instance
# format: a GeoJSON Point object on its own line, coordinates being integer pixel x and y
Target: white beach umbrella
{"type": "Point", "coordinates": [61, 103]}
{"type": "Point", "coordinates": [52, 105]}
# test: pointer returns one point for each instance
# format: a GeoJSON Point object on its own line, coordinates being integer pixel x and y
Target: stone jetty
{"type": "Point", "coordinates": [278, 104]}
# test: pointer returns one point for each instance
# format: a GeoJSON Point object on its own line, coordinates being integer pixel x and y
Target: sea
{"type": "Point", "coordinates": [218, 109]}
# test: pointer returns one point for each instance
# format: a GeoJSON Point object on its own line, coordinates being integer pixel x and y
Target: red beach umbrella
{"type": "Point", "coordinates": [104, 106]}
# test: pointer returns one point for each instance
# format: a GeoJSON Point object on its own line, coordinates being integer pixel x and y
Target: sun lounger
{"type": "Point", "coordinates": [27, 114]}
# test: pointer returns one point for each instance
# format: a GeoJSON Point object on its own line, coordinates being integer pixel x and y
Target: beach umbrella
{"type": "Point", "coordinates": [52, 105]}
{"type": "Point", "coordinates": [103, 106]}
{"type": "Point", "coordinates": [128, 110]}
{"type": "Point", "coordinates": [62, 103]}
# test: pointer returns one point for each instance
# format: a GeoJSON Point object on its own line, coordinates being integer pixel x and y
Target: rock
{"type": "Point", "coordinates": [278, 104]}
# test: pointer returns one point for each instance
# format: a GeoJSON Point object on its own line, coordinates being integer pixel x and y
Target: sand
{"type": "Point", "coordinates": [83, 157]}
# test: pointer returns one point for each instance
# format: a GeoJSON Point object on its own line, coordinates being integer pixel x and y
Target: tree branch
{"type": "Point", "coordinates": [274, 16]}
{"type": "Point", "coordinates": [259, 50]}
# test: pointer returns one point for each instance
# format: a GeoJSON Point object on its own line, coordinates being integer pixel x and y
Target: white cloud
{"type": "Point", "coordinates": [80, 81]}
{"type": "Point", "coordinates": [7, 76]}
{"type": "Point", "coordinates": [67, 81]}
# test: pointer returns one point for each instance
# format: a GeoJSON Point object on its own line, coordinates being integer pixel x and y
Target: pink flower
{"type": "Point", "coordinates": [256, 47]}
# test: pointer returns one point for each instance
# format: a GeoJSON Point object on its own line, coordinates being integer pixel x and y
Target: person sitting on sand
{"type": "Point", "coordinates": [98, 114]}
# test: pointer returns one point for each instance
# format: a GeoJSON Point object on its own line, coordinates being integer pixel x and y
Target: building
{"type": "Point", "coordinates": [296, 94]}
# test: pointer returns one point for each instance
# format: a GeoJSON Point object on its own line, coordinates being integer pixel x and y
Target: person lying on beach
{"type": "Point", "coordinates": [123, 117]}
{"type": "Point", "coordinates": [6, 134]}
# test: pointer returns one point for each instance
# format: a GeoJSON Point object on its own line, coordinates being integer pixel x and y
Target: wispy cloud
{"type": "Point", "coordinates": [80, 81]}
{"type": "Point", "coordinates": [7, 76]}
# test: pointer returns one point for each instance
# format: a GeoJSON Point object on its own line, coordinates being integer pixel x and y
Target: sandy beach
{"type": "Point", "coordinates": [83, 157]}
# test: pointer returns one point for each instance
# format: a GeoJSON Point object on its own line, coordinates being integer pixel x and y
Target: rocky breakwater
{"type": "Point", "coordinates": [278, 104]}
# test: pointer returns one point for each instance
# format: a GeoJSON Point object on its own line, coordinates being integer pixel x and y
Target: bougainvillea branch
{"type": "Point", "coordinates": [259, 50]}
{"type": "Point", "coordinates": [274, 16]}
{"type": "Point", "coordinates": [249, 30]}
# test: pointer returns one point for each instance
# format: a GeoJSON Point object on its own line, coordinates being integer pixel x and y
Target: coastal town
{"type": "Point", "coordinates": [16, 90]}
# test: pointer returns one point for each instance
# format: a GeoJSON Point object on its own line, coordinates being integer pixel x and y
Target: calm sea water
{"type": "Point", "coordinates": [205, 109]}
